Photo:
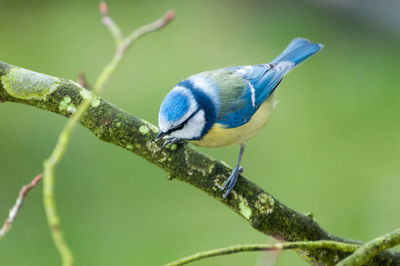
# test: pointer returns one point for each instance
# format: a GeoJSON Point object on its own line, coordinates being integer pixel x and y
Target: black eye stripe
{"type": "Point", "coordinates": [181, 125]}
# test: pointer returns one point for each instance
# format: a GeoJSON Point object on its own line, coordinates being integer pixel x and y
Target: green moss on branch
{"type": "Point", "coordinates": [304, 245]}
{"type": "Point", "coordinates": [111, 124]}
{"type": "Point", "coordinates": [372, 248]}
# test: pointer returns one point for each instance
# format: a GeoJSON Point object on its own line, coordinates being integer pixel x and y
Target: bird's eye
{"type": "Point", "coordinates": [179, 127]}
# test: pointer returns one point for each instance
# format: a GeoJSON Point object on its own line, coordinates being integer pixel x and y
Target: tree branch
{"type": "Point", "coordinates": [111, 124]}
{"type": "Point", "coordinates": [372, 248]}
{"type": "Point", "coordinates": [304, 245]}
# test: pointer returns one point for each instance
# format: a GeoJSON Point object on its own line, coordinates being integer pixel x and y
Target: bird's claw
{"type": "Point", "coordinates": [231, 181]}
{"type": "Point", "coordinates": [240, 170]}
{"type": "Point", "coordinates": [171, 140]}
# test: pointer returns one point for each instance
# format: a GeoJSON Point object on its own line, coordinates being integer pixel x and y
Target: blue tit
{"type": "Point", "coordinates": [228, 106]}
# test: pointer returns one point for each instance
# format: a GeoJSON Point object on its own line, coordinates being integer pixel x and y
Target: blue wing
{"type": "Point", "coordinates": [259, 82]}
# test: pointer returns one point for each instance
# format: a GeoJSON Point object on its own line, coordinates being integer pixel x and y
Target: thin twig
{"type": "Point", "coordinates": [110, 24]}
{"type": "Point", "coordinates": [136, 34]}
{"type": "Point", "coordinates": [15, 209]}
{"type": "Point", "coordinates": [372, 248]}
{"type": "Point", "coordinates": [270, 258]}
{"type": "Point", "coordinates": [304, 245]}
{"type": "Point", "coordinates": [63, 139]}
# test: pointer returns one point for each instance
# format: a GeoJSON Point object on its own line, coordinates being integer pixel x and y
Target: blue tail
{"type": "Point", "coordinates": [298, 50]}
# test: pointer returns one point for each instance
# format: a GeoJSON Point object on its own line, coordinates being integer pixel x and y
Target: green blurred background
{"type": "Point", "coordinates": [332, 146]}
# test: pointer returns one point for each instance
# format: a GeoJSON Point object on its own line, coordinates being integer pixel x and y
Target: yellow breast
{"type": "Point", "coordinates": [218, 136]}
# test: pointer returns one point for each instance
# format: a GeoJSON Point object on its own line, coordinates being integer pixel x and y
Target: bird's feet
{"type": "Point", "coordinates": [231, 181]}
{"type": "Point", "coordinates": [171, 140]}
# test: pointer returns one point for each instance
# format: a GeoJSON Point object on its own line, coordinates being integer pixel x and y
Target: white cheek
{"type": "Point", "coordinates": [193, 127]}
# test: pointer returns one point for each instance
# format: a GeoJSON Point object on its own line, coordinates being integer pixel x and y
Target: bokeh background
{"type": "Point", "coordinates": [332, 146]}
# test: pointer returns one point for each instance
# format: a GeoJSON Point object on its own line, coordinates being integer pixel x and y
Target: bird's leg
{"type": "Point", "coordinates": [231, 182]}
{"type": "Point", "coordinates": [172, 140]}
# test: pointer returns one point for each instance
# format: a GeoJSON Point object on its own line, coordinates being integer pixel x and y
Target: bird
{"type": "Point", "coordinates": [228, 106]}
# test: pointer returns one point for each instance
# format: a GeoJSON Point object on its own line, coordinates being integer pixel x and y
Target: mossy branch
{"type": "Point", "coordinates": [372, 248]}
{"type": "Point", "coordinates": [304, 245]}
{"type": "Point", "coordinates": [362, 254]}
{"type": "Point", "coordinates": [111, 124]}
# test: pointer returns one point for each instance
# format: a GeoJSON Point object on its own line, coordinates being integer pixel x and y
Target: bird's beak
{"type": "Point", "coordinates": [160, 135]}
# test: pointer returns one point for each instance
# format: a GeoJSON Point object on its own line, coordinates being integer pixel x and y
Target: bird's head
{"type": "Point", "coordinates": [181, 116]}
